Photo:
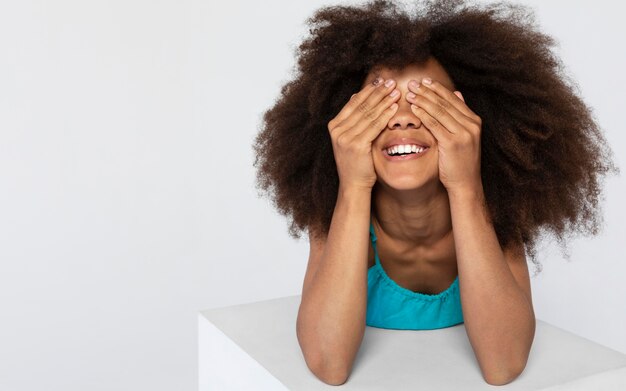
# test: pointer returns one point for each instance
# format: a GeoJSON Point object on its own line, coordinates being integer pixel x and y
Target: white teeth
{"type": "Point", "coordinates": [404, 149]}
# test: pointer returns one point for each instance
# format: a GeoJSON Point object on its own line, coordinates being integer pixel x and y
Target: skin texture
{"type": "Point", "coordinates": [513, 150]}
{"type": "Point", "coordinates": [410, 201]}
{"type": "Point", "coordinates": [533, 121]}
{"type": "Point", "coordinates": [494, 283]}
{"type": "Point", "coordinates": [411, 205]}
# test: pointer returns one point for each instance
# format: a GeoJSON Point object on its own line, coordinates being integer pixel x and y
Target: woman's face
{"type": "Point", "coordinates": [413, 171]}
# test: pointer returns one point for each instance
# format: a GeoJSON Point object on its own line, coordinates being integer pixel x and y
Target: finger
{"type": "Point", "coordinates": [435, 127]}
{"type": "Point", "coordinates": [376, 126]}
{"type": "Point", "coordinates": [371, 107]}
{"type": "Point", "coordinates": [368, 117]}
{"type": "Point", "coordinates": [439, 101]}
{"type": "Point", "coordinates": [439, 112]}
{"type": "Point", "coordinates": [445, 93]}
{"type": "Point", "coordinates": [355, 100]}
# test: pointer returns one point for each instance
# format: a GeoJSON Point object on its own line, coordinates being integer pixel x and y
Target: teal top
{"type": "Point", "coordinates": [390, 306]}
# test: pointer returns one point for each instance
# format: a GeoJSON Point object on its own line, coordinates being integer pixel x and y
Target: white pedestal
{"type": "Point", "coordinates": [254, 347]}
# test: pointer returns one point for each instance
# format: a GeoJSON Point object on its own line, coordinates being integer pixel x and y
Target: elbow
{"type": "Point", "coordinates": [334, 376]}
{"type": "Point", "coordinates": [328, 371]}
{"type": "Point", "coordinates": [502, 371]}
{"type": "Point", "coordinates": [504, 375]}
{"type": "Point", "coordinates": [329, 364]}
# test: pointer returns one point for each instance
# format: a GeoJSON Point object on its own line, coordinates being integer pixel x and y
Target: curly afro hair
{"type": "Point", "coordinates": [542, 151]}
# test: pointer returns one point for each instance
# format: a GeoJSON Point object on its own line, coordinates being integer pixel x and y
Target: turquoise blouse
{"type": "Point", "coordinates": [390, 306]}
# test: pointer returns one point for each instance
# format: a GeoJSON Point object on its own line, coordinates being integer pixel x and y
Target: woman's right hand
{"type": "Point", "coordinates": [356, 126]}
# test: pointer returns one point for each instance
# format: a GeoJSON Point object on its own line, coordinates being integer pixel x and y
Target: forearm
{"type": "Point", "coordinates": [332, 313]}
{"type": "Point", "coordinates": [499, 318]}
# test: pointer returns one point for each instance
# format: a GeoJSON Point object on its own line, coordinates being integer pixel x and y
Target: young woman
{"type": "Point", "coordinates": [423, 152]}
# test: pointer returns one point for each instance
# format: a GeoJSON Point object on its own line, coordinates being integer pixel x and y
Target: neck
{"type": "Point", "coordinates": [420, 217]}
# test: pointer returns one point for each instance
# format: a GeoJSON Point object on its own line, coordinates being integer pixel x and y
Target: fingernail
{"type": "Point", "coordinates": [427, 80]}
{"type": "Point", "coordinates": [388, 83]}
{"type": "Point", "coordinates": [377, 81]}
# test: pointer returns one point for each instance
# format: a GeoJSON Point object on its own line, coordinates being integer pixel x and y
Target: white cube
{"type": "Point", "coordinates": [254, 347]}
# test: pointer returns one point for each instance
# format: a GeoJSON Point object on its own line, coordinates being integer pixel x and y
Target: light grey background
{"type": "Point", "coordinates": [127, 199]}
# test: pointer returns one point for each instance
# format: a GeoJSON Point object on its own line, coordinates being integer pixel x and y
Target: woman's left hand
{"type": "Point", "coordinates": [457, 130]}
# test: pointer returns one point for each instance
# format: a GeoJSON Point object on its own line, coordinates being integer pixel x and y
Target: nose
{"type": "Point", "coordinates": [404, 118]}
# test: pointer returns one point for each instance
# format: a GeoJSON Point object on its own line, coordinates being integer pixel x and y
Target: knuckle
{"type": "Point", "coordinates": [420, 98]}
{"type": "Point", "coordinates": [341, 140]}
{"type": "Point", "coordinates": [363, 107]}
{"type": "Point", "coordinates": [431, 122]}
{"type": "Point", "coordinates": [331, 124]}
{"type": "Point", "coordinates": [382, 91]}
{"type": "Point", "coordinates": [443, 103]}
{"type": "Point", "coordinates": [335, 126]}
{"type": "Point", "coordinates": [370, 115]}
{"type": "Point", "coordinates": [377, 123]}
{"type": "Point", "coordinates": [352, 103]}
{"type": "Point", "coordinates": [336, 132]}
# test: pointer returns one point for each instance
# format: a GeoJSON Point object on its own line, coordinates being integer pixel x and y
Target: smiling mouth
{"type": "Point", "coordinates": [400, 150]}
{"type": "Point", "coordinates": [401, 155]}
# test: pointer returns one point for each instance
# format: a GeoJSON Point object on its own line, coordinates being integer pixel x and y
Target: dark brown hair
{"type": "Point", "coordinates": [542, 150]}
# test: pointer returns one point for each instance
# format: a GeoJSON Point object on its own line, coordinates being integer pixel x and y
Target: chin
{"type": "Point", "coordinates": [409, 174]}
{"type": "Point", "coordinates": [407, 182]}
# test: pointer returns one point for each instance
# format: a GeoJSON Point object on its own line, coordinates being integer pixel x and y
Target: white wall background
{"type": "Point", "coordinates": [127, 198]}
